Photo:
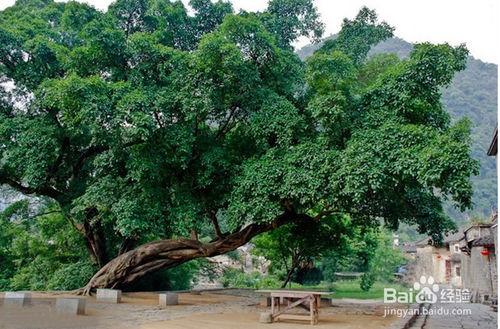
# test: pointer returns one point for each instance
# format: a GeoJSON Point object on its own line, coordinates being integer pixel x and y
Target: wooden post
{"type": "Point", "coordinates": [317, 301]}
{"type": "Point", "coordinates": [311, 308]}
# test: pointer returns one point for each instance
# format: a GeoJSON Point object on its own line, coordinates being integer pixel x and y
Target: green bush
{"type": "Point", "coordinates": [181, 277]}
{"type": "Point", "coordinates": [235, 278]}
{"type": "Point", "coordinates": [43, 252]}
{"type": "Point", "coordinates": [178, 278]}
{"type": "Point", "coordinates": [33, 276]}
{"type": "Point", "coordinates": [72, 276]}
{"type": "Point", "coordinates": [367, 281]}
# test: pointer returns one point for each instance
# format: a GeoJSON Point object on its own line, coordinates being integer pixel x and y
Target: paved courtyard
{"type": "Point", "coordinates": [461, 316]}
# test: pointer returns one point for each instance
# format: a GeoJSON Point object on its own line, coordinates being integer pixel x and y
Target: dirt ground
{"type": "Point", "coordinates": [248, 320]}
{"type": "Point", "coordinates": [208, 310]}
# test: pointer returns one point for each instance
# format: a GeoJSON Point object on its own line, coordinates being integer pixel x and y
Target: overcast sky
{"type": "Point", "coordinates": [475, 23]}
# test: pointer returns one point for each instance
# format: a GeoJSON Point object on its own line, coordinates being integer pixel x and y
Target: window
{"type": "Point", "coordinates": [457, 270]}
{"type": "Point", "coordinates": [457, 248]}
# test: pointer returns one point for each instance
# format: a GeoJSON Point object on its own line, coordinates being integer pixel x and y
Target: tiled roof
{"type": "Point", "coordinates": [409, 248]}
{"type": "Point", "coordinates": [483, 241]}
{"type": "Point", "coordinates": [454, 237]}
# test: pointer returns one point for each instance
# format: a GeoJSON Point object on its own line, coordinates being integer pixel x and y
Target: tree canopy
{"type": "Point", "coordinates": [147, 122]}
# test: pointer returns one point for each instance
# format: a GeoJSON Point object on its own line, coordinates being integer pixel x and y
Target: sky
{"type": "Point", "coordinates": [475, 23]}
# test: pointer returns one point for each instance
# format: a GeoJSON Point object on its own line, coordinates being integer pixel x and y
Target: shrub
{"type": "Point", "coordinates": [367, 280]}
{"type": "Point", "coordinates": [235, 278]}
{"type": "Point", "coordinates": [72, 276]}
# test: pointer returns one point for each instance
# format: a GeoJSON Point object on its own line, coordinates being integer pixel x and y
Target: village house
{"type": "Point", "coordinates": [479, 262]}
{"type": "Point", "coordinates": [479, 253]}
{"type": "Point", "coordinates": [442, 262]}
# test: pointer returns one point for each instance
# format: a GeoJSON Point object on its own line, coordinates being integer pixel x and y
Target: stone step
{"type": "Point", "coordinates": [109, 295]}
{"type": "Point", "coordinates": [73, 306]}
{"type": "Point", "coordinates": [17, 298]}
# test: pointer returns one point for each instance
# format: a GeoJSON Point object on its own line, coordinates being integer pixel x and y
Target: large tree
{"type": "Point", "coordinates": [166, 135]}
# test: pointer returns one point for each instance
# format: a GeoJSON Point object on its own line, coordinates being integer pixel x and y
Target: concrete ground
{"type": "Point", "coordinates": [227, 310]}
{"type": "Point", "coordinates": [208, 310]}
{"type": "Point", "coordinates": [461, 316]}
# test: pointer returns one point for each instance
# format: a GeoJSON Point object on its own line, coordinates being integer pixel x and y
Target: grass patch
{"type": "Point", "coordinates": [351, 289]}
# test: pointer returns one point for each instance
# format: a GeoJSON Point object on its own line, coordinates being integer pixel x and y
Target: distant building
{"type": "Point", "coordinates": [442, 262]}
{"type": "Point", "coordinates": [479, 262]}
{"type": "Point", "coordinates": [479, 257]}
{"type": "Point", "coordinates": [466, 259]}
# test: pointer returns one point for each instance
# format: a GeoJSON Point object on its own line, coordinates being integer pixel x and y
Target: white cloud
{"type": "Point", "coordinates": [475, 23]}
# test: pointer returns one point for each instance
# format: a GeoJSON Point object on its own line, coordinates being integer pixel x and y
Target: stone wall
{"type": "Point", "coordinates": [466, 271]}
{"type": "Point", "coordinates": [480, 274]}
{"type": "Point", "coordinates": [431, 261]}
{"type": "Point", "coordinates": [481, 279]}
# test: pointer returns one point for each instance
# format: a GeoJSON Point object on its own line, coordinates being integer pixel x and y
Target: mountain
{"type": "Point", "coordinates": [473, 93]}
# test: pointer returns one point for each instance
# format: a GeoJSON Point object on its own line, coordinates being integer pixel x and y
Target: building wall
{"type": "Point", "coordinates": [481, 277]}
{"type": "Point", "coordinates": [494, 261]}
{"type": "Point", "coordinates": [494, 231]}
{"type": "Point", "coordinates": [456, 266]}
{"type": "Point", "coordinates": [456, 279]}
{"type": "Point", "coordinates": [431, 261]}
{"type": "Point", "coordinates": [494, 272]}
{"type": "Point", "coordinates": [466, 271]}
{"type": "Point", "coordinates": [424, 264]}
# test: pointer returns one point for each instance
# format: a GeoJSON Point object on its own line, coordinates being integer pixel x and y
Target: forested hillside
{"type": "Point", "coordinates": [473, 93]}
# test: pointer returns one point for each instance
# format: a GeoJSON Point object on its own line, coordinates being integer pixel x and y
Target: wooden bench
{"type": "Point", "coordinates": [308, 300]}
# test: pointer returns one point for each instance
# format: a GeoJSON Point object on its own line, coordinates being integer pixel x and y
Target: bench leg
{"type": "Point", "coordinates": [316, 310]}
{"type": "Point", "coordinates": [311, 309]}
{"type": "Point", "coordinates": [272, 308]}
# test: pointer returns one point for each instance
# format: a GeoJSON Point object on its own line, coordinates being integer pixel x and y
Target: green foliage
{"type": "Point", "coordinates": [352, 289]}
{"type": "Point", "coordinates": [41, 252]}
{"type": "Point", "coordinates": [473, 94]}
{"type": "Point", "coordinates": [355, 255]}
{"type": "Point", "coordinates": [367, 281]}
{"type": "Point", "coordinates": [371, 253]}
{"type": "Point", "coordinates": [234, 278]}
{"type": "Point", "coordinates": [181, 277]}
{"type": "Point", "coordinates": [292, 248]}
{"type": "Point", "coordinates": [384, 261]}
{"type": "Point", "coordinates": [357, 36]}
{"type": "Point", "coordinates": [290, 19]}
{"type": "Point", "coordinates": [72, 276]}
{"type": "Point", "coordinates": [145, 122]}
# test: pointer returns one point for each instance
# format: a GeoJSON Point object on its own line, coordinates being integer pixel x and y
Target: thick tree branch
{"type": "Point", "coordinates": [27, 190]}
{"type": "Point", "coordinates": [94, 150]}
{"type": "Point", "coordinates": [225, 126]}
{"type": "Point", "coordinates": [156, 255]}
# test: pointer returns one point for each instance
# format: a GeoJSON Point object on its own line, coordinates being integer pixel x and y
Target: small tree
{"type": "Point", "coordinates": [382, 262]}
{"type": "Point", "coordinates": [293, 245]}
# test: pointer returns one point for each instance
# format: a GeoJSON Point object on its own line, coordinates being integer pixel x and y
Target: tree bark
{"type": "Point", "coordinates": [127, 245]}
{"type": "Point", "coordinates": [157, 255]}
{"type": "Point", "coordinates": [95, 242]}
{"type": "Point", "coordinates": [289, 274]}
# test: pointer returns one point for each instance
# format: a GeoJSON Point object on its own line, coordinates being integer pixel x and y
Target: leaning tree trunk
{"type": "Point", "coordinates": [157, 255]}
